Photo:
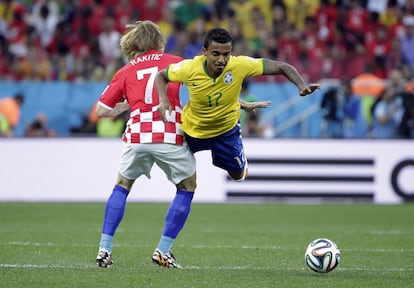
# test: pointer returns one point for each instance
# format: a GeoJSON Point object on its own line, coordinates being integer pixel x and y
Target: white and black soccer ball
{"type": "Point", "coordinates": [322, 255]}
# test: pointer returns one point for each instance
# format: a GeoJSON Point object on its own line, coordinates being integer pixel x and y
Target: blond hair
{"type": "Point", "coordinates": [143, 36]}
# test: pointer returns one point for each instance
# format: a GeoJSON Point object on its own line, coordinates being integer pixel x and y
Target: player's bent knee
{"type": "Point", "coordinates": [189, 184]}
{"type": "Point", "coordinates": [124, 182]}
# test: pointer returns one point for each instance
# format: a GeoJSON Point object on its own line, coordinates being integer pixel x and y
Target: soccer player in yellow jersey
{"type": "Point", "coordinates": [214, 79]}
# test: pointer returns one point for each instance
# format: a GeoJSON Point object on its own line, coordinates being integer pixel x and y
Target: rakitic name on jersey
{"type": "Point", "coordinates": [149, 57]}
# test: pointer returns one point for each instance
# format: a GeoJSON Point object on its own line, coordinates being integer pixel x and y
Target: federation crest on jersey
{"type": "Point", "coordinates": [228, 77]}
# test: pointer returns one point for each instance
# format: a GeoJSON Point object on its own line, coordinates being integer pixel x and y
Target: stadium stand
{"type": "Point", "coordinates": [59, 41]}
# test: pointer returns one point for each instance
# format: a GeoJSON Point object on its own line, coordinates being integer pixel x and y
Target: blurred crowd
{"type": "Point", "coordinates": [78, 40]}
{"type": "Point", "coordinates": [386, 114]}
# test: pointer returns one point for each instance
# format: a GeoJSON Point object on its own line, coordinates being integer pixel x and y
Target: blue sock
{"type": "Point", "coordinates": [165, 244]}
{"type": "Point", "coordinates": [114, 211]}
{"type": "Point", "coordinates": [106, 242]}
{"type": "Point", "coordinates": [175, 219]}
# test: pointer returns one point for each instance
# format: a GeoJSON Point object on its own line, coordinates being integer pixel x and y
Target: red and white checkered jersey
{"type": "Point", "coordinates": [135, 83]}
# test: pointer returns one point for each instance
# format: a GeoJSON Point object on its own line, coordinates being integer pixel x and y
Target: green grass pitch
{"type": "Point", "coordinates": [222, 245]}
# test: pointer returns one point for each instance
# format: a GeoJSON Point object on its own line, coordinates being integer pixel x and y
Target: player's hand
{"type": "Point", "coordinates": [251, 106]}
{"type": "Point", "coordinates": [164, 109]}
{"type": "Point", "coordinates": [309, 89]}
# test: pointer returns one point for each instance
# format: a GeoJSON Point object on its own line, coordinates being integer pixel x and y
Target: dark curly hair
{"type": "Point", "coordinates": [218, 35]}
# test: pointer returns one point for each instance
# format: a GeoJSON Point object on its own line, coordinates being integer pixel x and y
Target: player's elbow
{"type": "Point", "coordinates": [101, 111]}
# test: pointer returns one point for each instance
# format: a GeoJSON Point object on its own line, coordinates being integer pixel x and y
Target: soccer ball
{"type": "Point", "coordinates": [322, 255]}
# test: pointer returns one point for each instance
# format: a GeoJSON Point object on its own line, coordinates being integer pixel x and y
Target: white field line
{"type": "Point", "coordinates": [47, 266]}
{"type": "Point", "coordinates": [49, 244]}
{"type": "Point", "coordinates": [247, 247]}
{"type": "Point", "coordinates": [389, 232]}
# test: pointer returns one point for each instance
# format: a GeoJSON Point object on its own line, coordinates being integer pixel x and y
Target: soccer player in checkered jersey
{"type": "Point", "coordinates": [147, 139]}
{"type": "Point", "coordinates": [210, 119]}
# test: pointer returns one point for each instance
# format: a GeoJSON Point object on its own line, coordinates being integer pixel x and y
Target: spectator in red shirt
{"type": "Point", "coordinates": [327, 14]}
{"type": "Point", "coordinates": [150, 9]}
{"type": "Point", "coordinates": [378, 50]}
{"type": "Point", "coordinates": [16, 33]}
{"type": "Point", "coordinates": [356, 19]}
{"type": "Point", "coordinates": [124, 11]}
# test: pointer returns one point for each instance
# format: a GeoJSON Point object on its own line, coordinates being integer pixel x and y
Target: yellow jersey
{"type": "Point", "coordinates": [213, 107]}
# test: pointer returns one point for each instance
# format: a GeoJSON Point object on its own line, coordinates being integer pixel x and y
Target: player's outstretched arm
{"type": "Point", "coordinates": [251, 106]}
{"type": "Point", "coordinates": [281, 68]}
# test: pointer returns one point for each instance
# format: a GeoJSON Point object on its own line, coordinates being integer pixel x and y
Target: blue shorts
{"type": "Point", "coordinates": [226, 149]}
